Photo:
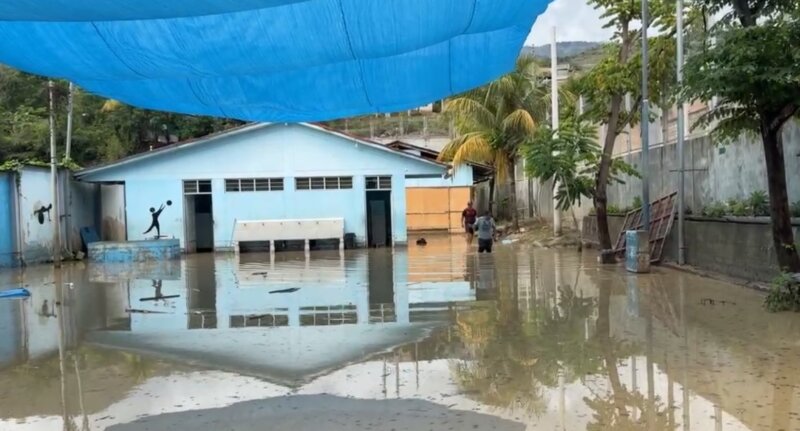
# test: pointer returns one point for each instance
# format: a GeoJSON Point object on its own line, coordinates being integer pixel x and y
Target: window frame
{"type": "Point", "coordinates": [323, 183]}
{"type": "Point", "coordinates": [255, 184]}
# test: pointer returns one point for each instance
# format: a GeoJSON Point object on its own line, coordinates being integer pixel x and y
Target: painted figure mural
{"type": "Point", "coordinates": [39, 213]}
{"type": "Point", "coordinates": [155, 214]}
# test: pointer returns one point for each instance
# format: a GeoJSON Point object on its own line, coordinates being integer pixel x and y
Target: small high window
{"type": "Point", "coordinates": [379, 183]}
{"type": "Point", "coordinates": [323, 183]}
{"type": "Point", "coordinates": [197, 187]}
{"type": "Point", "coordinates": [253, 184]}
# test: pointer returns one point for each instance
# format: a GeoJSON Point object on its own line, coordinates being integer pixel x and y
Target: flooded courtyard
{"type": "Point", "coordinates": [418, 338]}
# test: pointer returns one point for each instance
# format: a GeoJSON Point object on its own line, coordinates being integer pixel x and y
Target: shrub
{"type": "Point", "coordinates": [637, 202]}
{"type": "Point", "coordinates": [738, 208]}
{"type": "Point", "coordinates": [715, 210]}
{"type": "Point", "coordinates": [784, 295]}
{"type": "Point", "coordinates": [758, 203]}
{"type": "Point", "coordinates": [795, 209]}
{"type": "Point", "coordinates": [613, 209]}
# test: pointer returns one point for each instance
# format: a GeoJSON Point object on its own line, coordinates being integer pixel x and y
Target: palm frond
{"type": "Point", "coordinates": [475, 147]}
{"type": "Point", "coordinates": [110, 105]}
{"type": "Point", "coordinates": [520, 122]}
{"type": "Point", "coordinates": [449, 150]}
{"type": "Point", "coordinates": [470, 110]}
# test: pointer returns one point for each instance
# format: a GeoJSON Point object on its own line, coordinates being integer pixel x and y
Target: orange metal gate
{"type": "Point", "coordinates": [436, 208]}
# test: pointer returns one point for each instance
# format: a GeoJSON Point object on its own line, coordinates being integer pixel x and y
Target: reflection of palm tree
{"type": "Point", "coordinates": [611, 410]}
{"type": "Point", "coordinates": [138, 367]}
{"type": "Point", "coordinates": [512, 360]}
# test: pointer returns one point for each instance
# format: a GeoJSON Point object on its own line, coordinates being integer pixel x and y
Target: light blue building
{"type": "Point", "coordinates": [203, 187]}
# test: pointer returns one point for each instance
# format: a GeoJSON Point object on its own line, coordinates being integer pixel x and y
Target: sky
{"type": "Point", "coordinates": [575, 21]}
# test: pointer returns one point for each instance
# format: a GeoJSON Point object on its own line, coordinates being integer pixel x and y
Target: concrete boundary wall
{"type": "Point", "coordinates": [737, 247]}
{"type": "Point", "coordinates": [718, 172]}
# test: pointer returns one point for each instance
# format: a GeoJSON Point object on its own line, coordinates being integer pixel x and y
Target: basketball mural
{"type": "Point", "coordinates": [155, 214]}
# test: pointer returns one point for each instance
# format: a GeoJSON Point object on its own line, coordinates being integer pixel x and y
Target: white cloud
{"type": "Point", "coordinates": [575, 21]}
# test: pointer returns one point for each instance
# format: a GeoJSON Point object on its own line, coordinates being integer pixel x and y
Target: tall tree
{"type": "Point", "coordinates": [618, 74]}
{"type": "Point", "coordinates": [492, 121]}
{"type": "Point", "coordinates": [570, 158]}
{"type": "Point", "coordinates": [103, 130]}
{"type": "Point", "coordinates": [753, 69]}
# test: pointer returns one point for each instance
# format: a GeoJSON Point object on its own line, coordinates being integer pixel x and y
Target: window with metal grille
{"type": "Point", "coordinates": [197, 187]}
{"type": "Point", "coordinates": [253, 184]}
{"type": "Point", "coordinates": [323, 183]}
{"type": "Point", "coordinates": [379, 183]}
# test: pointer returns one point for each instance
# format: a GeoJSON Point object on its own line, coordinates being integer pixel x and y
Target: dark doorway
{"type": "Point", "coordinates": [379, 218]}
{"type": "Point", "coordinates": [199, 223]}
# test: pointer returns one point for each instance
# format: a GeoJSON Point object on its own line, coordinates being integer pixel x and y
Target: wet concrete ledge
{"type": "Point", "coordinates": [134, 251]}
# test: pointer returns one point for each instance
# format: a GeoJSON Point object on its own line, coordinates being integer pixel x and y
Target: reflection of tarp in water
{"type": "Point", "coordinates": [316, 412]}
{"type": "Point", "coordinates": [286, 355]}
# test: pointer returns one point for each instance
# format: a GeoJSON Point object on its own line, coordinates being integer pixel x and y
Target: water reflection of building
{"type": "Point", "coordinates": [295, 290]}
{"type": "Point", "coordinates": [10, 332]}
{"type": "Point", "coordinates": [29, 327]}
{"type": "Point", "coordinates": [324, 310]}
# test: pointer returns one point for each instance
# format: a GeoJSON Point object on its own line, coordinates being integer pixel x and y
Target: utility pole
{"type": "Point", "coordinates": [645, 120]}
{"type": "Point", "coordinates": [554, 119]}
{"type": "Point", "coordinates": [68, 151]}
{"type": "Point", "coordinates": [681, 141]}
{"type": "Point", "coordinates": [54, 178]}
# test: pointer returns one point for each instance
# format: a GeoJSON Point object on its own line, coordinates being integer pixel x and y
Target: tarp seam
{"type": "Point", "coordinates": [114, 53]}
{"type": "Point", "coordinates": [471, 16]}
{"type": "Point", "coordinates": [353, 54]}
{"type": "Point", "coordinates": [196, 95]}
{"type": "Point", "coordinates": [450, 47]}
{"type": "Point", "coordinates": [450, 65]}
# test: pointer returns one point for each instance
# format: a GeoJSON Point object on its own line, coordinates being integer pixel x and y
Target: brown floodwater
{"type": "Point", "coordinates": [423, 338]}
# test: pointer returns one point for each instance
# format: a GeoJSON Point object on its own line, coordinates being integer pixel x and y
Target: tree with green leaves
{"type": "Point", "coordinates": [103, 130]}
{"type": "Point", "coordinates": [494, 120]}
{"type": "Point", "coordinates": [570, 157]}
{"type": "Point", "coordinates": [753, 69]}
{"type": "Point", "coordinates": [618, 74]}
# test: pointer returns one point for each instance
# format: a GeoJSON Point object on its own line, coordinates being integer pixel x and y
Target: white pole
{"type": "Point", "coordinates": [645, 119]}
{"type": "Point", "coordinates": [628, 106]}
{"type": "Point", "coordinates": [54, 180]}
{"type": "Point", "coordinates": [554, 118]}
{"type": "Point", "coordinates": [68, 151]}
{"type": "Point", "coordinates": [681, 140]}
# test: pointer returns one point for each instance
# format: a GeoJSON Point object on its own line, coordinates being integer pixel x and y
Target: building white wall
{"type": "Point", "coordinates": [112, 212]}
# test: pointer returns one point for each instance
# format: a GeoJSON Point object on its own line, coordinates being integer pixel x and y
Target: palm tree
{"type": "Point", "coordinates": [493, 120]}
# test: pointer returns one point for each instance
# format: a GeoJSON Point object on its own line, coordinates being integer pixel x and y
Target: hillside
{"type": "Point", "coordinates": [565, 49]}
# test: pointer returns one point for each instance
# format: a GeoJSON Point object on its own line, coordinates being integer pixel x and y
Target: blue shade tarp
{"type": "Point", "coordinates": [268, 60]}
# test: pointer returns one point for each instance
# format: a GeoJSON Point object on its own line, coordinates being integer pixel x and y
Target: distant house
{"type": "Point", "coordinates": [435, 204]}
{"type": "Point", "coordinates": [264, 171]}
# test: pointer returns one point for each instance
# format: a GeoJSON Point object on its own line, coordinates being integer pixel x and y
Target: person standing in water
{"type": "Point", "coordinates": [468, 217]}
{"type": "Point", "coordinates": [486, 230]}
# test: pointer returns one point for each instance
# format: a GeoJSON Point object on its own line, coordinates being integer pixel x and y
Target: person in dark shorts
{"type": "Point", "coordinates": [468, 217]}
{"type": "Point", "coordinates": [486, 229]}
